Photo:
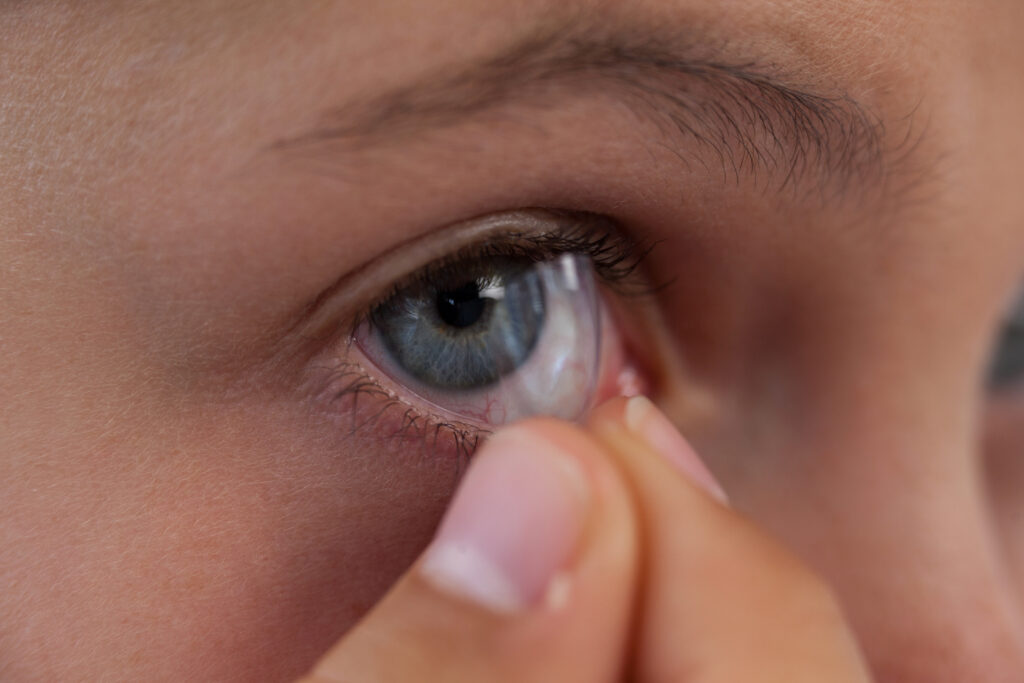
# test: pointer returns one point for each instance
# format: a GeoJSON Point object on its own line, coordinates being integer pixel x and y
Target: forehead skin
{"type": "Point", "coordinates": [150, 246]}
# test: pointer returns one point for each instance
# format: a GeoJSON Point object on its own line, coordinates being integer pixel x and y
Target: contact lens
{"type": "Point", "coordinates": [496, 341]}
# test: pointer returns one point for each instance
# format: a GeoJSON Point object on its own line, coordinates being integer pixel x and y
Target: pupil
{"type": "Point", "coordinates": [461, 307]}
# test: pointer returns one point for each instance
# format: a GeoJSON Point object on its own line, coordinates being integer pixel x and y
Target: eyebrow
{"type": "Point", "coordinates": [747, 115]}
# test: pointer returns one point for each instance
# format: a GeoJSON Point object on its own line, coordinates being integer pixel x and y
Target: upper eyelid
{"type": "Point", "coordinates": [336, 309]}
{"type": "Point", "coordinates": [615, 257]}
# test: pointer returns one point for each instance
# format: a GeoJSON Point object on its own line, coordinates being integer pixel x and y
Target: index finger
{"type": "Point", "coordinates": [721, 600]}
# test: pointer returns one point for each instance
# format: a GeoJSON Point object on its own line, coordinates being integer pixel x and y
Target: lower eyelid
{"type": "Point", "coordinates": [361, 404]}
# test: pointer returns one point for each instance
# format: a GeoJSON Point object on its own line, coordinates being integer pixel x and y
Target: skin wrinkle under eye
{"type": "Point", "coordinates": [749, 120]}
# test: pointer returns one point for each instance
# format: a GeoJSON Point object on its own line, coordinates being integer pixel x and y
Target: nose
{"type": "Point", "coordinates": [903, 532]}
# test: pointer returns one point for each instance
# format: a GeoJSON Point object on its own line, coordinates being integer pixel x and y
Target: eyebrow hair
{"type": "Point", "coordinates": [749, 118]}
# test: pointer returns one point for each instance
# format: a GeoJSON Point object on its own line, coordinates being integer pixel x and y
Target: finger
{"type": "Point", "coordinates": [530, 577]}
{"type": "Point", "coordinates": [723, 601]}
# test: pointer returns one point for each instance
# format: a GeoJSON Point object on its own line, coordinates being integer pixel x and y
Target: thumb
{"type": "Point", "coordinates": [530, 577]}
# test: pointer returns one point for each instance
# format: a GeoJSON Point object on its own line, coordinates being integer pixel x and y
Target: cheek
{"type": "Point", "coordinates": [244, 562]}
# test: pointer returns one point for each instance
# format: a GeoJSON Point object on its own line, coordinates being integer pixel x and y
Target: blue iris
{"type": "Point", "coordinates": [466, 333]}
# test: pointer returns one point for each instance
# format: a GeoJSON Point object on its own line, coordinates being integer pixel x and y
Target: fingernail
{"type": "Point", "coordinates": [648, 423]}
{"type": "Point", "coordinates": [513, 524]}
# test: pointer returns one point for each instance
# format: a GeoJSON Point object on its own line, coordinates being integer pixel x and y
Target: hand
{"type": "Point", "coordinates": [599, 554]}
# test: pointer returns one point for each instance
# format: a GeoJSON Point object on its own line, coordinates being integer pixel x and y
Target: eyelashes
{"type": "Point", "coordinates": [369, 400]}
{"type": "Point", "coordinates": [363, 404]}
{"type": "Point", "coordinates": [616, 258]}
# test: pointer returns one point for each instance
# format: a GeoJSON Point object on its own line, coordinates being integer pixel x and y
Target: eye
{"type": "Point", "coordinates": [494, 339]}
{"type": "Point", "coordinates": [467, 333]}
{"type": "Point", "coordinates": [1007, 368]}
{"type": "Point", "coordinates": [514, 325]}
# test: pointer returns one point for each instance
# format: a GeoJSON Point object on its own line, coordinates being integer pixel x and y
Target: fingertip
{"type": "Point", "coordinates": [641, 419]}
{"type": "Point", "coordinates": [514, 523]}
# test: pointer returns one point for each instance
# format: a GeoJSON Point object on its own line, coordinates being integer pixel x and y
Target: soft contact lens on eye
{"type": "Point", "coordinates": [495, 341]}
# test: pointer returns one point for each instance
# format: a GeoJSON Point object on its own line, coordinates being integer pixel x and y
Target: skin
{"type": "Point", "coordinates": [179, 506]}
